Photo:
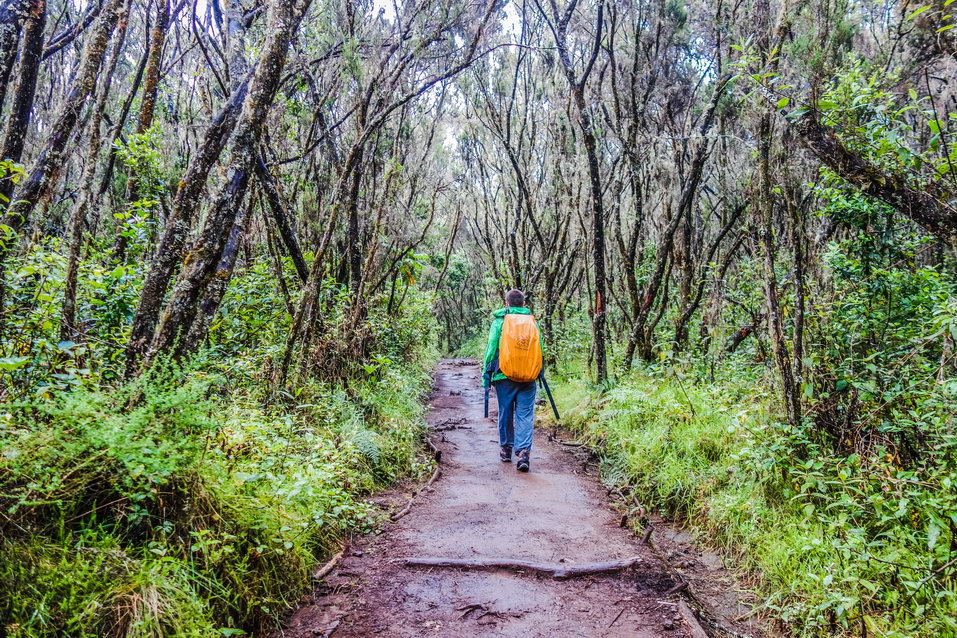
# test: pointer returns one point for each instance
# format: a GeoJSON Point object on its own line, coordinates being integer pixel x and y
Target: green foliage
{"type": "Point", "coordinates": [14, 172]}
{"type": "Point", "coordinates": [838, 541]}
{"type": "Point", "coordinates": [33, 359]}
{"type": "Point", "coordinates": [903, 134]}
{"type": "Point", "coordinates": [181, 504]}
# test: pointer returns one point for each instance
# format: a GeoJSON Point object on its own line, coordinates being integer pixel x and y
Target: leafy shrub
{"type": "Point", "coordinates": [162, 509]}
{"type": "Point", "coordinates": [838, 541]}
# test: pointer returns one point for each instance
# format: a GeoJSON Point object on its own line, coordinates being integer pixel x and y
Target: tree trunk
{"type": "Point", "coordinates": [764, 206]}
{"type": "Point", "coordinates": [224, 272]}
{"type": "Point", "coordinates": [577, 86]}
{"type": "Point", "coordinates": [178, 225]}
{"type": "Point", "coordinates": [52, 154]}
{"type": "Point", "coordinates": [282, 219]}
{"type": "Point", "coordinates": [174, 335]}
{"type": "Point", "coordinates": [26, 88]}
{"type": "Point", "coordinates": [147, 110]}
{"type": "Point", "coordinates": [74, 236]}
{"type": "Point", "coordinates": [12, 15]}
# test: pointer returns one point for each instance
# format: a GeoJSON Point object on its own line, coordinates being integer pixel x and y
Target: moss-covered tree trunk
{"type": "Point", "coordinates": [53, 153]}
{"type": "Point", "coordinates": [173, 334]}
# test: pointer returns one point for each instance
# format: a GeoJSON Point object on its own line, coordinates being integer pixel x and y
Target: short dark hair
{"type": "Point", "coordinates": [515, 298]}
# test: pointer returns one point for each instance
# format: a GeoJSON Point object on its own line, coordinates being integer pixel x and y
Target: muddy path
{"type": "Point", "coordinates": [482, 508]}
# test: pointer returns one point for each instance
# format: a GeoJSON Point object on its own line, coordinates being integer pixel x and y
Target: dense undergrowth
{"type": "Point", "coordinates": [847, 528]}
{"type": "Point", "coordinates": [195, 501]}
{"type": "Point", "coordinates": [846, 521]}
{"type": "Point", "coordinates": [837, 542]}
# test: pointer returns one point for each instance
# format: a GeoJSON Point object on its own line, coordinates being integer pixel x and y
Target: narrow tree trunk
{"type": "Point", "coordinates": [74, 236]}
{"type": "Point", "coordinates": [52, 155]}
{"type": "Point", "coordinates": [283, 223]}
{"type": "Point", "coordinates": [224, 272]}
{"type": "Point", "coordinates": [577, 86]}
{"type": "Point", "coordinates": [53, 152]}
{"type": "Point", "coordinates": [764, 206]}
{"type": "Point", "coordinates": [174, 335]}
{"type": "Point", "coordinates": [796, 220]}
{"type": "Point", "coordinates": [147, 110]}
{"type": "Point", "coordinates": [12, 15]}
{"type": "Point", "coordinates": [353, 241]}
{"type": "Point", "coordinates": [26, 88]}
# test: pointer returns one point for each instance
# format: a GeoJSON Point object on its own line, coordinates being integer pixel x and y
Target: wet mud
{"type": "Point", "coordinates": [481, 508]}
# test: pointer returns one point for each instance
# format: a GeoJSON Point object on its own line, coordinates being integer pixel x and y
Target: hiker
{"type": "Point", "coordinates": [513, 362]}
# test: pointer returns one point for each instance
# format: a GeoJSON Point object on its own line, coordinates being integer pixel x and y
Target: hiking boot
{"type": "Point", "coordinates": [522, 465]}
{"type": "Point", "coordinates": [506, 453]}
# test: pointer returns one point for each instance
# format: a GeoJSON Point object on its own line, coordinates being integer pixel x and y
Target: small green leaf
{"type": "Point", "coordinates": [13, 363]}
{"type": "Point", "coordinates": [933, 533]}
{"type": "Point", "coordinates": [783, 102]}
{"type": "Point", "coordinates": [917, 12]}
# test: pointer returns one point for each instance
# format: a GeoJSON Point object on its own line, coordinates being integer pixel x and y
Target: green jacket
{"type": "Point", "coordinates": [495, 335]}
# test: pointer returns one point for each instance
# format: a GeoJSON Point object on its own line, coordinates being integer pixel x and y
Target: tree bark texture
{"type": "Point", "coordinates": [12, 15]}
{"type": "Point", "coordinates": [69, 330]}
{"type": "Point", "coordinates": [154, 60]}
{"type": "Point", "coordinates": [173, 241]}
{"type": "Point", "coordinates": [26, 87]}
{"type": "Point", "coordinates": [173, 334]}
{"type": "Point", "coordinates": [52, 153]}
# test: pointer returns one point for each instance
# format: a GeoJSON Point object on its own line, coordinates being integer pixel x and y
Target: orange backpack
{"type": "Point", "coordinates": [520, 349]}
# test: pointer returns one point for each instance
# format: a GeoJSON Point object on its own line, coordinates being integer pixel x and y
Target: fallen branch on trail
{"type": "Point", "coordinates": [697, 631]}
{"type": "Point", "coordinates": [408, 506]}
{"type": "Point", "coordinates": [450, 421]}
{"type": "Point", "coordinates": [558, 572]}
{"type": "Point", "coordinates": [331, 565]}
{"type": "Point", "coordinates": [450, 426]}
{"type": "Point", "coordinates": [436, 452]}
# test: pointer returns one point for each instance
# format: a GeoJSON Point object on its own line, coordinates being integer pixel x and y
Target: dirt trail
{"type": "Point", "coordinates": [482, 508]}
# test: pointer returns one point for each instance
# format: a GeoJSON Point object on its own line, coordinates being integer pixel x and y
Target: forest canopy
{"type": "Point", "coordinates": [235, 235]}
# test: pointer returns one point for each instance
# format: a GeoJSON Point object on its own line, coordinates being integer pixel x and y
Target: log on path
{"type": "Point", "coordinates": [558, 572]}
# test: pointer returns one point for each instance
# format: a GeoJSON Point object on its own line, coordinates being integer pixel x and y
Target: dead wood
{"type": "Point", "coordinates": [436, 452]}
{"type": "Point", "coordinates": [697, 631]}
{"type": "Point", "coordinates": [558, 572]}
{"type": "Point", "coordinates": [451, 421]}
{"type": "Point", "coordinates": [326, 569]}
{"type": "Point", "coordinates": [408, 506]}
{"type": "Point", "coordinates": [402, 512]}
{"type": "Point", "coordinates": [451, 424]}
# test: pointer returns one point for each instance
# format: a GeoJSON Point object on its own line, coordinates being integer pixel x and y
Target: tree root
{"type": "Point", "coordinates": [558, 572]}
{"type": "Point", "coordinates": [697, 631]}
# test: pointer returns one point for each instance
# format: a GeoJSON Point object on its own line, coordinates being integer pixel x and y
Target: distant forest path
{"type": "Point", "coordinates": [483, 509]}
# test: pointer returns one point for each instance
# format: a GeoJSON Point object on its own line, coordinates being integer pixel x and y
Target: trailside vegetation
{"type": "Point", "coordinates": [236, 234]}
{"type": "Point", "coordinates": [204, 373]}
{"type": "Point", "coordinates": [776, 231]}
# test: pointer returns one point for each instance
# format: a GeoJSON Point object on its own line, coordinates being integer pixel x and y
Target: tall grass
{"type": "Point", "coordinates": [831, 546]}
{"type": "Point", "coordinates": [166, 509]}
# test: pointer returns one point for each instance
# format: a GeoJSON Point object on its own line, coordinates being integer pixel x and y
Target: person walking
{"type": "Point", "coordinates": [512, 364]}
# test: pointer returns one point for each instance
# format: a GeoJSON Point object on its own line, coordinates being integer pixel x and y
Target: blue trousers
{"type": "Point", "coordinates": [516, 413]}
